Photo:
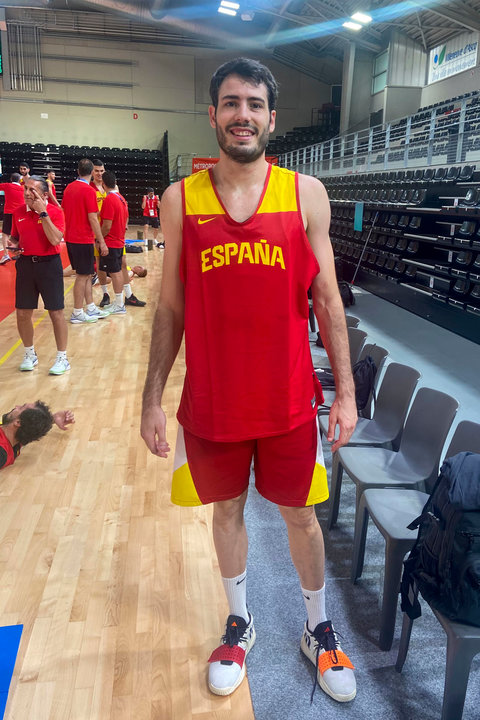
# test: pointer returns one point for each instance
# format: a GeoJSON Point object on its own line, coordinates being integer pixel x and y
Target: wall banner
{"type": "Point", "coordinates": [453, 57]}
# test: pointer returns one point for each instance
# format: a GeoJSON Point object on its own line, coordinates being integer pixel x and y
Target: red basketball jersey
{"type": "Point", "coordinates": [249, 367]}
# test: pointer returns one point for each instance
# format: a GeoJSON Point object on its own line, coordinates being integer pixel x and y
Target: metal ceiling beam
{"type": "Point", "coordinates": [471, 22]}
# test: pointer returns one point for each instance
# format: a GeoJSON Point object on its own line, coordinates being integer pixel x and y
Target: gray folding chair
{"type": "Point", "coordinates": [418, 456]}
{"type": "Point", "coordinates": [352, 321]}
{"type": "Point", "coordinates": [392, 510]}
{"type": "Point", "coordinates": [383, 430]}
{"type": "Point", "coordinates": [463, 643]}
{"type": "Point", "coordinates": [356, 341]}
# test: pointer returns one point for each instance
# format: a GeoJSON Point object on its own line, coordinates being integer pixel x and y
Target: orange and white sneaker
{"type": "Point", "coordinates": [334, 668]}
{"type": "Point", "coordinates": [227, 663]}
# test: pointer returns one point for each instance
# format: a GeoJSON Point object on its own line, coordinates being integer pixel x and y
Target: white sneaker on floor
{"type": "Point", "coordinates": [334, 668]}
{"type": "Point", "coordinates": [83, 318]}
{"type": "Point", "coordinates": [97, 312]}
{"type": "Point", "coordinates": [227, 663]}
{"type": "Point", "coordinates": [5, 259]}
{"type": "Point", "coordinates": [114, 309]}
{"type": "Point", "coordinates": [60, 367]}
{"type": "Point", "coordinates": [29, 362]}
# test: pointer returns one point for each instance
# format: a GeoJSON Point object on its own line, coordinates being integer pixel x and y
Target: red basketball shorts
{"type": "Point", "coordinates": [289, 468]}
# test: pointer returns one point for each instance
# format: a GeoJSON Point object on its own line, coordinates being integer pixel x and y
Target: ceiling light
{"type": "Point", "coordinates": [352, 25]}
{"type": "Point", "coordinates": [228, 4]}
{"type": "Point", "coordinates": [362, 18]}
{"type": "Point", "coordinates": [227, 11]}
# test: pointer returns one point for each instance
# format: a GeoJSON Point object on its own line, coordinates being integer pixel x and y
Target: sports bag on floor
{"type": "Point", "coordinates": [444, 563]}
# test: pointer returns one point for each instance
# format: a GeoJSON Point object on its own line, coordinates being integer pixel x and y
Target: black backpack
{"type": "Point", "coordinates": [348, 298]}
{"type": "Point", "coordinates": [364, 372]}
{"type": "Point", "coordinates": [444, 563]}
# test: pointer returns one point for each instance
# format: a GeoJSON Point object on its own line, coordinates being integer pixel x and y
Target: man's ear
{"type": "Point", "coordinates": [212, 116]}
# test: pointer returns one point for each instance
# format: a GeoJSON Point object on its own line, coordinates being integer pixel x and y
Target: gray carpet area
{"type": "Point", "coordinates": [281, 678]}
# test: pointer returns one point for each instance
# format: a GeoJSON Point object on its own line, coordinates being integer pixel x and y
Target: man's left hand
{"type": "Point", "coordinates": [63, 418]}
{"type": "Point", "coordinates": [344, 414]}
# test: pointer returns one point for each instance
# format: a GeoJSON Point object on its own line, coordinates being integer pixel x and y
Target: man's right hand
{"type": "Point", "coordinates": [153, 429]}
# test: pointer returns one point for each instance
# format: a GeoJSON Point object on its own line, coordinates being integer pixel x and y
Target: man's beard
{"type": "Point", "coordinates": [243, 153]}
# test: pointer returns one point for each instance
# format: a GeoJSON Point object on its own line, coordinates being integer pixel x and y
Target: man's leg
{"type": "Point", "coordinates": [60, 329]}
{"type": "Point", "coordinates": [305, 538]}
{"type": "Point", "coordinates": [230, 535]}
{"type": "Point", "coordinates": [145, 233]}
{"type": "Point", "coordinates": [319, 641]}
{"type": "Point", "coordinates": [130, 298]}
{"type": "Point", "coordinates": [25, 326]}
{"type": "Point", "coordinates": [25, 330]}
{"type": "Point", "coordinates": [81, 289]}
{"type": "Point", "coordinates": [227, 663]}
{"type": "Point", "coordinates": [5, 256]}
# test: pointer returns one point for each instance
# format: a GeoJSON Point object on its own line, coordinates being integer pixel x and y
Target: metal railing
{"type": "Point", "coordinates": [448, 133]}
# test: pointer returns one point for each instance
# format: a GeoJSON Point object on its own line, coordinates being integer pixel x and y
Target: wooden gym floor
{"type": "Point", "coordinates": [117, 590]}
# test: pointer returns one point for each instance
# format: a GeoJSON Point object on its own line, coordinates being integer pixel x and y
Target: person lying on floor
{"type": "Point", "coordinates": [26, 423]}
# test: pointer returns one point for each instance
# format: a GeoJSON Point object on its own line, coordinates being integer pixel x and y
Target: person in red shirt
{"type": "Point", "coordinates": [79, 203]}
{"type": "Point", "coordinates": [151, 209]}
{"type": "Point", "coordinates": [24, 170]}
{"type": "Point", "coordinates": [245, 241]}
{"type": "Point", "coordinates": [114, 221]}
{"type": "Point", "coordinates": [25, 424]}
{"type": "Point", "coordinates": [52, 193]}
{"type": "Point", "coordinates": [13, 198]}
{"type": "Point", "coordinates": [37, 231]}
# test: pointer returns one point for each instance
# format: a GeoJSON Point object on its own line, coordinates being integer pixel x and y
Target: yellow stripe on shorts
{"type": "Point", "coordinates": [319, 488]}
{"type": "Point", "coordinates": [183, 489]}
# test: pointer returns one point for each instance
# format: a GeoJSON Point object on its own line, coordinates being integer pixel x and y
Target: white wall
{"type": "Point", "coordinates": [168, 89]}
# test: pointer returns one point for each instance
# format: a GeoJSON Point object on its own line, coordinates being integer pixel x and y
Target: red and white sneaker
{"type": "Point", "coordinates": [334, 668]}
{"type": "Point", "coordinates": [227, 663]}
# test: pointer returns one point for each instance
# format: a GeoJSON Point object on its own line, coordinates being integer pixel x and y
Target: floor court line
{"type": "Point", "coordinates": [5, 357]}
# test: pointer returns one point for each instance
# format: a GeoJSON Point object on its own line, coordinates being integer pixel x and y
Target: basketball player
{"type": "Point", "coordinates": [24, 170]}
{"type": "Point", "coordinates": [13, 198]}
{"type": "Point", "coordinates": [151, 209]}
{"type": "Point", "coordinates": [52, 192]}
{"type": "Point", "coordinates": [25, 424]}
{"type": "Point", "coordinates": [244, 242]}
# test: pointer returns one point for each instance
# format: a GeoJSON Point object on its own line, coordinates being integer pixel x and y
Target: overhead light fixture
{"type": "Point", "coordinates": [228, 8]}
{"type": "Point", "coordinates": [352, 25]}
{"type": "Point", "coordinates": [362, 18]}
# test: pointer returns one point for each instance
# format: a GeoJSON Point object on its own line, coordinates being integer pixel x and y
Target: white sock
{"type": "Point", "coordinates": [128, 290]}
{"type": "Point", "coordinates": [119, 299]}
{"type": "Point", "coordinates": [315, 606]}
{"type": "Point", "coordinates": [91, 306]}
{"type": "Point", "coordinates": [105, 289]}
{"type": "Point", "coordinates": [236, 592]}
{"type": "Point", "coordinates": [30, 350]}
{"type": "Point", "coordinates": [61, 354]}
{"type": "Point", "coordinates": [77, 311]}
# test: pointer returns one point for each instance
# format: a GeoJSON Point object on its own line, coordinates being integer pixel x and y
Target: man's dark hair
{"type": "Point", "coordinates": [34, 423]}
{"type": "Point", "coordinates": [98, 163]}
{"type": "Point", "coordinates": [24, 164]}
{"type": "Point", "coordinates": [85, 167]}
{"type": "Point", "coordinates": [109, 179]}
{"type": "Point", "coordinates": [150, 190]}
{"type": "Point", "coordinates": [248, 69]}
{"type": "Point", "coordinates": [42, 181]}
{"type": "Point", "coordinates": [15, 177]}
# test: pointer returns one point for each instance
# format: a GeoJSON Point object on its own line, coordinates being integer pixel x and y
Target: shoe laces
{"type": "Point", "coordinates": [325, 640]}
{"type": "Point", "coordinates": [234, 632]}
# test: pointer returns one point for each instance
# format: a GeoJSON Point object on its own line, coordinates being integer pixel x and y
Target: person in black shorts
{"type": "Point", "coordinates": [37, 230]}
{"type": "Point", "coordinates": [151, 209]}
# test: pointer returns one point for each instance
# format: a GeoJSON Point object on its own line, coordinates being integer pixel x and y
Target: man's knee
{"type": "Point", "coordinates": [227, 512]}
{"type": "Point", "coordinates": [300, 518]}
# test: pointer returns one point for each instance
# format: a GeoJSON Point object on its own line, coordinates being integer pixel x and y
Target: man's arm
{"type": "Point", "coordinates": [168, 324]}
{"type": "Point", "coordinates": [144, 202]}
{"type": "Point", "coordinates": [95, 225]}
{"type": "Point", "coordinates": [328, 308]}
{"type": "Point", "coordinates": [53, 234]}
{"type": "Point", "coordinates": [105, 227]}
{"type": "Point", "coordinates": [51, 197]}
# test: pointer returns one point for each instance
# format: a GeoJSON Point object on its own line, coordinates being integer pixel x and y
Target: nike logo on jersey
{"type": "Point", "coordinates": [21, 219]}
{"type": "Point", "coordinates": [202, 222]}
